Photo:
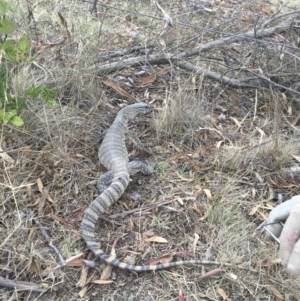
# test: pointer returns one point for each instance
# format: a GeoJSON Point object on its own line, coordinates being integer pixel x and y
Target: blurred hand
{"type": "Point", "coordinates": [288, 212]}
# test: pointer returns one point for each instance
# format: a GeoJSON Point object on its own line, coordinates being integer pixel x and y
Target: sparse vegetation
{"type": "Point", "coordinates": [222, 153]}
{"type": "Point", "coordinates": [13, 51]}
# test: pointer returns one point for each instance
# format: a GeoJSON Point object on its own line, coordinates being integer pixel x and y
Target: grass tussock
{"type": "Point", "coordinates": [220, 154]}
{"type": "Point", "coordinates": [182, 116]}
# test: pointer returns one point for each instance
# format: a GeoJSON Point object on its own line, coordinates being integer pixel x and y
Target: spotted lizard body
{"type": "Point", "coordinates": [114, 156]}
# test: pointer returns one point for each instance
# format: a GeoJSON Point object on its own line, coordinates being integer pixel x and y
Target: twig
{"type": "Point", "coordinates": [88, 262]}
{"type": "Point", "coordinates": [45, 72]}
{"type": "Point", "coordinates": [142, 210]}
{"type": "Point", "coordinates": [239, 37]}
{"type": "Point", "coordinates": [279, 16]}
{"type": "Point", "coordinates": [141, 49]}
{"type": "Point", "coordinates": [223, 79]}
{"type": "Point", "coordinates": [94, 7]}
{"type": "Point", "coordinates": [262, 143]}
{"type": "Point", "coordinates": [250, 82]}
{"type": "Point", "coordinates": [169, 57]}
{"type": "Point", "coordinates": [204, 29]}
{"type": "Point", "coordinates": [216, 131]}
{"type": "Point", "coordinates": [30, 13]}
{"type": "Point", "coordinates": [21, 285]}
{"type": "Point", "coordinates": [47, 238]}
{"type": "Point", "coordinates": [267, 80]}
{"type": "Point", "coordinates": [292, 126]}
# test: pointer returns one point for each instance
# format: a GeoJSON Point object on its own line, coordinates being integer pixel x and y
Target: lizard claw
{"type": "Point", "coordinates": [262, 226]}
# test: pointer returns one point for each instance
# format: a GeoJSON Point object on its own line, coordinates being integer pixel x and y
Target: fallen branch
{"type": "Point", "coordinates": [255, 35]}
{"type": "Point", "coordinates": [161, 58]}
{"type": "Point", "coordinates": [165, 58]}
{"type": "Point", "coordinates": [231, 82]}
{"type": "Point", "coordinates": [21, 285]}
{"type": "Point", "coordinates": [256, 82]}
{"type": "Point", "coordinates": [251, 82]}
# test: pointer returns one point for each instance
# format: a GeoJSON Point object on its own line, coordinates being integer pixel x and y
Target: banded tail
{"type": "Point", "coordinates": [100, 205]}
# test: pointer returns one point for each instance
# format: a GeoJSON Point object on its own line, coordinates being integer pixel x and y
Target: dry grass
{"type": "Point", "coordinates": [208, 141]}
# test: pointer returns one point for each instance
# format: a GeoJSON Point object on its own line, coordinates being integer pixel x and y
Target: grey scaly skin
{"type": "Point", "coordinates": [113, 155]}
{"type": "Point", "coordinates": [133, 167]}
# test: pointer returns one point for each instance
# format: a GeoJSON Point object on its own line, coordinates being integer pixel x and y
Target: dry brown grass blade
{"type": "Point", "coordinates": [61, 220]}
{"type": "Point", "coordinates": [118, 89]}
{"type": "Point", "coordinates": [65, 24]}
{"type": "Point", "coordinates": [158, 239]}
{"type": "Point", "coordinates": [101, 281]}
{"type": "Point", "coordinates": [145, 80]}
{"type": "Point", "coordinates": [210, 274]}
{"type": "Point", "coordinates": [6, 157]}
{"type": "Point", "coordinates": [195, 242]}
{"type": "Point", "coordinates": [142, 210]}
{"type": "Point", "coordinates": [83, 291]}
{"type": "Point", "coordinates": [106, 273]}
{"type": "Point", "coordinates": [267, 9]}
{"type": "Point", "coordinates": [277, 295]}
{"type": "Point", "coordinates": [223, 294]}
{"type": "Point", "coordinates": [162, 259]}
{"type": "Point", "coordinates": [77, 262]}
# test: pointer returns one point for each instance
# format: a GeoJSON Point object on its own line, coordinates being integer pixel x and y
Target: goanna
{"type": "Point", "coordinates": [114, 156]}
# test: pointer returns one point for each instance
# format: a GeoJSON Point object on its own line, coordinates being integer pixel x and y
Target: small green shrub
{"type": "Point", "coordinates": [13, 51]}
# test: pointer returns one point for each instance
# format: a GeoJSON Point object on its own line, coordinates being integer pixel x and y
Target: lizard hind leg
{"type": "Point", "coordinates": [134, 167]}
{"type": "Point", "coordinates": [104, 181]}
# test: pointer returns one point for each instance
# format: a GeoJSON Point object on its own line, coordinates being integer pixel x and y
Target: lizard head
{"type": "Point", "coordinates": [137, 109]}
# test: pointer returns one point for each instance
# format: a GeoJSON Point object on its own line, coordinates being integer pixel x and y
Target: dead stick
{"type": "Point", "coordinates": [165, 58]}
{"type": "Point", "coordinates": [141, 210]}
{"type": "Point", "coordinates": [20, 285]}
{"type": "Point", "coordinates": [231, 82]}
{"type": "Point", "coordinates": [47, 238]}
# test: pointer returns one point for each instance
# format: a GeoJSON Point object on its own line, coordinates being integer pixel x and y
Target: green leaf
{"type": "Point", "coordinates": [6, 116]}
{"type": "Point", "coordinates": [17, 121]}
{"type": "Point", "coordinates": [24, 44]}
{"type": "Point", "coordinates": [7, 27]}
{"type": "Point", "coordinates": [47, 95]}
{"type": "Point", "coordinates": [5, 7]}
{"type": "Point", "coordinates": [9, 50]}
{"type": "Point", "coordinates": [16, 103]}
{"type": "Point", "coordinates": [33, 91]}
{"type": "Point", "coordinates": [11, 117]}
{"type": "Point", "coordinates": [15, 51]}
{"type": "Point", "coordinates": [3, 84]}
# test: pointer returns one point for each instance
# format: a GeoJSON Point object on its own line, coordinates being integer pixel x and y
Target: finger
{"type": "Point", "coordinates": [293, 266]}
{"type": "Point", "coordinates": [275, 229]}
{"type": "Point", "coordinates": [290, 235]}
{"type": "Point", "coordinates": [281, 213]}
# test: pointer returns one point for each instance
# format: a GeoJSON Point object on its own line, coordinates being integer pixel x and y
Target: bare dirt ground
{"type": "Point", "coordinates": [222, 154]}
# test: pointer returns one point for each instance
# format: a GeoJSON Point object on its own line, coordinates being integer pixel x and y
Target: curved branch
{"type": "Point", "coordinates": [251, 82]}
{"type": "Point", "coordinates": [166, 58]}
